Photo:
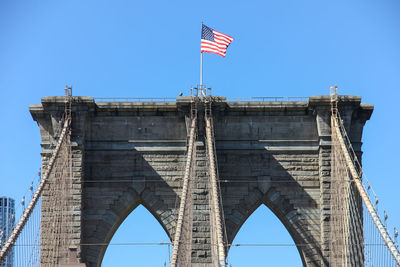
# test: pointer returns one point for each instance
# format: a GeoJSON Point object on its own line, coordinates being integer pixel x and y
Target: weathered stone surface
{"type": "Point", "coordinates": [269, 153]}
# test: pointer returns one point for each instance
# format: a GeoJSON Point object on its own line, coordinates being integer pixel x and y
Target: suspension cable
{"type": "Point", "coordinates": [339, 131]}
{"type": "Point", "coordinates": [214, 187]}
{"type": "Point", "coordinates": [184, 194]}
{"type": "Point", "coordinates": [24, 218]}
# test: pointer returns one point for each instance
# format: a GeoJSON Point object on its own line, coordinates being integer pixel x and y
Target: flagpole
{"type": "Point", "coordinates": [201, 65]}
{"type": "Point", "coordinates": [201, 72]}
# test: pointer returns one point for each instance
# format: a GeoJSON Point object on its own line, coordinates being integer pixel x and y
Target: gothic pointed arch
{"type": "Point", "coordinates": [139, 236]}
{"type": "Point", "coordinates": [267, 238]}
{"type": "Point", "coordinates": [289, 212]}
{"type": "Point", "coordinates": [105, 217]}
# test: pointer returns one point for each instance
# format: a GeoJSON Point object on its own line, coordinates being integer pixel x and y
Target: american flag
{"type": "Point", "coordinates": [213, 41]}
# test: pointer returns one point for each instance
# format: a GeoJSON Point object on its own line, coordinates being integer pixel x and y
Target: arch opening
{"type": "Point", "coordinates": [265, 242]}
{"type": "Point", "coordinates": [139, 241]}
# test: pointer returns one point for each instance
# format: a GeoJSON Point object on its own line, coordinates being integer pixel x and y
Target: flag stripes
{"type": "Point", "coordinates": [214, 42]}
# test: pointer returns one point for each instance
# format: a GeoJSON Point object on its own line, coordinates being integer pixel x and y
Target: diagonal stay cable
{"type": "Point", "coordinates": [24, 218]}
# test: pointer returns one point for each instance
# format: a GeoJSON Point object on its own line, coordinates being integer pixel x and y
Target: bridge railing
{"type": "Point", "coordinates": [172, 99]}
{"type": "Point", "coordinates": [135, 99]}
{"type": "Point", "coordinates": [267, 98]}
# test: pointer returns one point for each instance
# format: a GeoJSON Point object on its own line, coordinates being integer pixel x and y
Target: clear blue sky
{"type": "Point", "coordinates": [151, 48]}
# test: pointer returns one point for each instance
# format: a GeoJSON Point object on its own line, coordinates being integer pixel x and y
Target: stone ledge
{"type": "Point", "coordinates": [319, 100]}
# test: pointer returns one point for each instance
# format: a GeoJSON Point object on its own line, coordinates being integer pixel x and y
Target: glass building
{"type": "Point", "coordinates": [7, 222]}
